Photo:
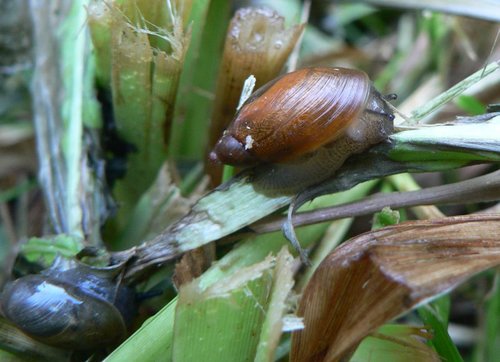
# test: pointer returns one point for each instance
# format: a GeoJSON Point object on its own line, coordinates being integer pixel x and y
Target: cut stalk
{"type": "Point", "coordinates": [140, 48]}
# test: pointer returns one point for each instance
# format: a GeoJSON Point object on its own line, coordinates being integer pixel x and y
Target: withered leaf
{"type": "Point", "coordinates": [193, 264]}
{"type": "Point", "coordinates": [382, 274]}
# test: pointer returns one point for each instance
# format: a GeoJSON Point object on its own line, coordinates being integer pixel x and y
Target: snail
{"type": "Point", "coordinates": [303, 125]}
{"type": "Point", "coordinates": [70, 305]}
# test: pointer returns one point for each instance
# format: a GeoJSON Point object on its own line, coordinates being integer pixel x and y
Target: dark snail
{"type": "Point", "coordinates": [304, 125]}
{"type": "Point", "coordinates": [70, 306]}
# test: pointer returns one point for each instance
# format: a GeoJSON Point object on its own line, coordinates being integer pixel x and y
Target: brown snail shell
{"type": "Point", "coordinates": [304, 125]}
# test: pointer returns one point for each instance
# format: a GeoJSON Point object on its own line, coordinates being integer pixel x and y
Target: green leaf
{"type": "Point", "coordinates": [44, 250]}
{"type": "Point", "coordinates": [488, 346]}
{"type": "Point", "coordinates": [223, 322]}
{"type": "Point", "coordinates": [435, 316]}
{"type": "Point", "coordinates": [385, 218]}
{"type": "Point", "coordinates": [395, 343]}
{"type": "Point", "coordinates": [470, 104]}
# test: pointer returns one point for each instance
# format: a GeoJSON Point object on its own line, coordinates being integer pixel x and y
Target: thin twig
{"type": "Point", "coordinates": [483, 188]}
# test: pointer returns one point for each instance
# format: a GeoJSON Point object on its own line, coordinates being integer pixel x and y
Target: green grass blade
{"type": "Point", "coordinates": [435, 315]}
{"type": "Point", "coordinates": [197, 97]}
{"type": "Point", "coordinates": [488, 346]}
{"type": "Point", "coordinates": [454, 91]}
{"type": "Point", "coordinates": [152, 342]}
{"type": "Point", "coordinates": [182, 130]}
{"type": "Point", "coordinates": [395, 343]}
{"type": "Point", "coordinates": [222, 323]}
{"type": "Point", "coordinates": [273, 323]}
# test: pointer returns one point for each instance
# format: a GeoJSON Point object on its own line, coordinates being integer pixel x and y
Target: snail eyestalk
{"type": "Point", "coordinates": [407, 119]}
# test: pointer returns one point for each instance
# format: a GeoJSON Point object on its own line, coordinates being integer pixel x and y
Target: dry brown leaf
{"type": "Point", "coordinates": [194, 263]}
{"type": "Point", "coordinates": [379, 275]}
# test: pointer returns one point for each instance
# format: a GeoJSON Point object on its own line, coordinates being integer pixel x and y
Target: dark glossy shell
{"type": "Point", "coordinates": [71, 309]}
{"type": "Point", "coordinates": [62, 315]}
{"type": "Point", "coordinates": [294, 115]}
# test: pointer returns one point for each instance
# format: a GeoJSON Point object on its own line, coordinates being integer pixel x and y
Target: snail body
{"type": "Point", "coordinates": [74, 307]}
{"type": "Point", "coordinates": [303, 125]}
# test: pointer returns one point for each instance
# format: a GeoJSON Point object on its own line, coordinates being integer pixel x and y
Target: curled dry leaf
{"type": "Point", "coordinates": [382, 274]}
